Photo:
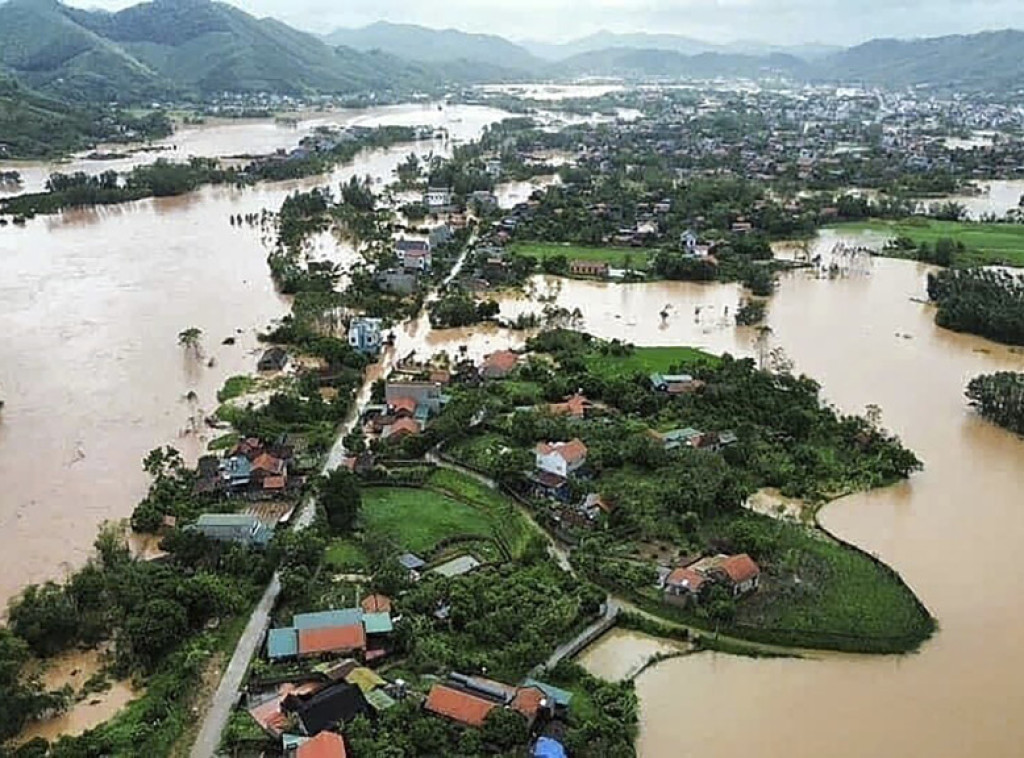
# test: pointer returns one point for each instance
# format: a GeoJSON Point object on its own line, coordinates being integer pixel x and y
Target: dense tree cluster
{"type": "Point", "coordinates": [999, 397]}
{"type": "Point", "coordinates": [986, 302]}
{"type": "Point", "coordinates": [456, 309]}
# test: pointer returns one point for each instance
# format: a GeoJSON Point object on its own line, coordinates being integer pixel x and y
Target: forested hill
{"type": "Point", "coordinates": [34, 126]}
{"type": "Point", "coordinates": [987, 61]}
{"type": "Point", "coordinates": [181, 47]}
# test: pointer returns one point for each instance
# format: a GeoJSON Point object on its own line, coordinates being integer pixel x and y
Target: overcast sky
{"type": "Point", "coordinates": [777, 21]}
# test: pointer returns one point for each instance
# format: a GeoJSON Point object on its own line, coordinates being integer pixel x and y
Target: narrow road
{"type": "Point", "coordinates": [219, 709]}
{"type": "Point", "coordinates": [231, 681]}
{"type": "Point", "coordinates": [585, 638]}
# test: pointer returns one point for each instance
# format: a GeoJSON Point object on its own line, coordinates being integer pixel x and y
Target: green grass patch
{"type": "Point", "coordinates": [986, 243]}
{"type": "Point", "coordinates": [647, 360]}
{"type": "Point", "coordinates": [613, 256]}
{"type": "Point", "coordinates": [236, 386]}
{"type": "Point", "coordinates": [417, 519]}
{"type": "Point", "coordinates": [224, 442]}
{"type": "Point", "coordinates": [508, 524]}
{"type": "Point", "coordinates": [346, 555]}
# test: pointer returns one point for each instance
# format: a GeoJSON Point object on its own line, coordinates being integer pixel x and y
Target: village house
{"type": "Point", "coordinates": [242, 528]}
{"type": "Point", "coordinates": [349, 631]}
{"type": "Point", "coordinates": [587, 513]}
{"type": "Point", "coordinates": [499, 365]}
{"type": "Point", "coordinates": [683, 585]}
{"type": "Point", "coordinates": [561, 458]}
{"type": "Point", "coordinates": [414, 255]}
{"type": "Point", "coordinates": [273, 359]}
{"type": "Point", "coordinates": [438, 198]}
{"type": "Point", "coordinates": [324, 745]}
{"type": "Point", "coordinates": [598, 269]}
{"type": "Point", "coordinates": [441, 234]}
{"type": "Point", "coordinates": [675, 384]}
{"type": "Point", "coordinates": [467, 700]}
{"type": "Point", "coordinates": [576, 406]}
{"type": "Point", "coordinates": [677, 438]}
{"type": "Point", "coordinates": [364, 334]}
{"type": "Point", "coordinates": [738, 573]}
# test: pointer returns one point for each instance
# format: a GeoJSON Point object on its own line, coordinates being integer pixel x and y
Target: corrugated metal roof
{"type": "Point", "coordinates": [321, 619]}
{"type": "Point", "coordinates": [379, 700]}
{"type": "Point", "coordinates": [560, 696]}
{"type": "Point", "coordinates": [377, 623]}
{"type": "Point", "coordinates": [282, 643]}
{"type": "Point", "coordinates": [227, 519]}
{"type": "Point", "coordinates": [365, 679]}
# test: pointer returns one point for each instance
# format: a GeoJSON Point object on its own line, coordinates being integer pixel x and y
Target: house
{"type": "Point", "coordinates": [738, 572]}
{"type": "Point", "coordinates": [677, 438]}
{"type": "Point", "coordinates": [441, 234]}
{"type": "Point", "coordinates": [586, 513]}
{"type": "Point", "coordinates": [335, 704]}
{"type": "Point", "coordinates": [266, 466]}
{"type": "Point", "coordinates": [331, 640]}
{"type": "Point", "coordinates": [559, 698]}
{"type": "Point", "coordinates": [425, 394]}
{"type": "Point", "coordinates": [598, 269]}
{"type": "Point", "coordinates": [499, 365]}
{"type": "Point", "coordinates": [273, 359]}
{"type": "Point", "coordinates": [546, 484]}
{"type": "Point", "coordinates": [675, 384]}
{"type": "Point", "coordinates": [576, 406]}
{"type": "Point", "coordinates": [438, 198]}
{"type": "Point", "coordinates": [324, 745]}
{"type": "Point", "coordinates": [396, 282]}
{"type": "Point", "coordinates": [493, 168]}
{"type": "Point", "coordinates": [457, 566]}
{"type": "Point", "coordinates": [458, 705]}
{"type": "Point", "coordinates": [684, 584]}
{"type": "Point", "coordinates": [235, 471]}
{"type": "Point", "coordinates": [414, 254]}
{"type": "Point", "coordinates": [242, 528]}
{"type": "Point", "coordinates": [364, 334]}
{"type": "Point", "coordinates": [412, 563]}
{"type": "Point", "coordinates": [376, 604]}
{"type": "Point", "coordinates": [561, 458]}
{"type": "Point", "coordinates": [688, 241]}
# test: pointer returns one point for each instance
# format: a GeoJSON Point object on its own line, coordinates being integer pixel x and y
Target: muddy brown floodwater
{"type": "Point", "coordinates": [91, 303]}
{"type": "Point", "coordinates": [953, 531]}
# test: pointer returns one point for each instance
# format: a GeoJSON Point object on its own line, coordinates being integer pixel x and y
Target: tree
{"type": "Point", "coordinates": [505, 728]}
{"type": "Point", "coordinates": [155, 630]}
{"type": "Point", "coordinates": [341, 499]}
{"type": "Point", "coordinates": [189, 339]}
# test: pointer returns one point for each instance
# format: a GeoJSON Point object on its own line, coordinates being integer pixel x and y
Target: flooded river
{"type": "Point", "coordinates": [91, 303]}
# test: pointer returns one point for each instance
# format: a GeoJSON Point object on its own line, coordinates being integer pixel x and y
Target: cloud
{"type": "Point", "coordinates": [778, 21]}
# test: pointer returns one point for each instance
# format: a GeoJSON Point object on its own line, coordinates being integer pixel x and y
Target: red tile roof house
{"type": "Point", "coordinates": [332, 640]}
{"type": "Point", "coordinates": [499, 365]}
{"type": "Point", "coordinates": [403, 427]}
{"type": "Point", "coordinates": [324, 745]}
{"type": "Point", "coordinates": [577, 406]}
{"type": "Point", "coordinates": [561, 458]}
{"type": "Point", "coordinates": [402, 406]}
{"type": "Point", "coordinates": [683, 586]}
{"type": "Point", "coordinates": [739, 572]}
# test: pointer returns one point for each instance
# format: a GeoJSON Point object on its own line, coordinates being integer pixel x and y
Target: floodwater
{"type": "Point", "coordinates": [75, 669]}
{"type": "Point", "coordinates": [952, 531]}
{"type": "Point", "coordinates": [997, 197]}
{"type": "Point", "coordinates": [91, 303]}
{"type": "Point", "coordinates": [621, 653]}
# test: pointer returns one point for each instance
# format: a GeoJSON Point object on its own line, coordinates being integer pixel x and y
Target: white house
{"type": "Point", "coordinates": [364, 335]}
{"type": "Point", "coordinates": [414, 254]}
{"type": "Point", "coordinates": [437, 198]}
{"type": "Point", "coordinates": [561, 458]}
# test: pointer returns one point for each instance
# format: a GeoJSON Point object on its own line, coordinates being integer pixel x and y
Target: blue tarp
{"type": "Point", "coordinates": [548, 748]}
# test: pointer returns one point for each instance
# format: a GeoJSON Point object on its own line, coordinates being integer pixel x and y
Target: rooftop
{"type": "Point", "coordinates": [333, 639]}
{"type": "Point", "coordinates": [458, 706]}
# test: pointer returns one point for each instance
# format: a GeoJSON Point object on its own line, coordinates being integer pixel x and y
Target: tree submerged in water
{"type": "Point", "coordinates": [190, 340]}
{"type": "Point", "coordinates": [999, 398]}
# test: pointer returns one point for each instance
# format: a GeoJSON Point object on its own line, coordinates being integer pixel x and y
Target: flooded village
{"type": "Point", "coordinates": [502, 465]}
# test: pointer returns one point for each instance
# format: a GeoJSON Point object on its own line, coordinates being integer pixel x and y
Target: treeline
{"type": "Point", "coordinates": [944, 252]}
{"type": "Point", "coordinates": [999, 398]}
{"type": "Point", "coordinates": [457, 309]}
{"type": "Point", "coordinates": [985, 302]}
{"type": "Point", "coordinates": [159, 179]}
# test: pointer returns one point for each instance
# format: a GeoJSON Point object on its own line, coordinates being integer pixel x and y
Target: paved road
{"type": "Point", "coordinates": [231, 682]}
{"type": "Point", "coordinates": [585, 638]}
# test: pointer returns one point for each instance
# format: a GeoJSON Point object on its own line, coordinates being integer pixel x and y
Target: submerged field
{"type": "Point", "coordinates": [987, 244]}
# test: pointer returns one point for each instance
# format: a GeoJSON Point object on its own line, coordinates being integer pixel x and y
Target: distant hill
{"type": "Point", "coordinates": [418, 43]}
{"type": "Point", "coordinates": [989, 60]}
{"type": "Point", "coordinates": [677, 43]}
{"type": "Point", "coordinates": [630, 63]}
{"type": "Point", "coordinates": [181, 47]}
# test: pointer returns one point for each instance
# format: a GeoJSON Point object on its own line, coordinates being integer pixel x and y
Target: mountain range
{"type": "Point", "coordinates": [195, 48]}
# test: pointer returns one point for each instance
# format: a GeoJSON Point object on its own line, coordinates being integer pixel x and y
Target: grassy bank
{"type": "Point", "coordinates": [987, 244]}
{"type": "Point", "coordinates": [646, 360]}
{"type": "Point", "coordinates": [418, 519]}
{"type": "Point", "coordinates": [613, 256]}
